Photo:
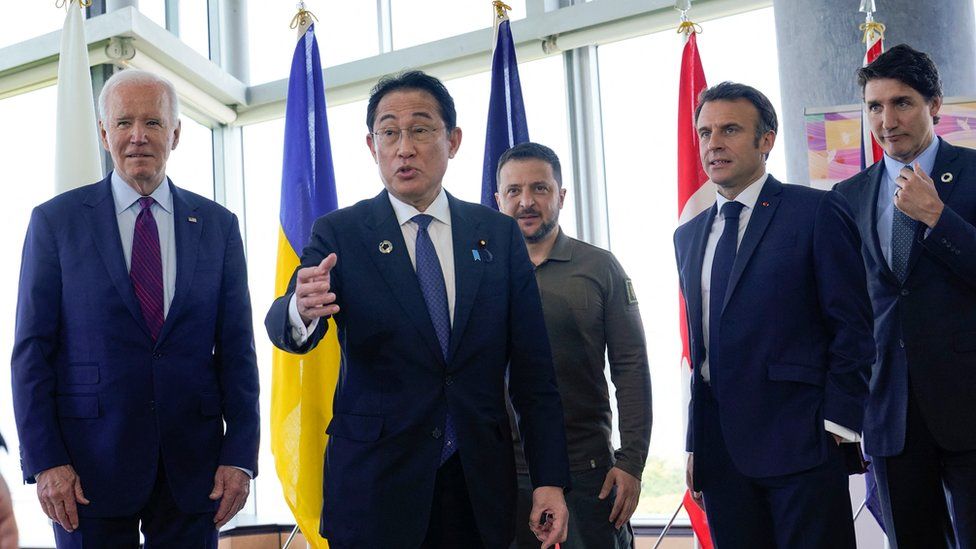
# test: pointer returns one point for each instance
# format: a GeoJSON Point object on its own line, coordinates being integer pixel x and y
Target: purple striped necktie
{"type": "Point", "coordinates": [146, 270]}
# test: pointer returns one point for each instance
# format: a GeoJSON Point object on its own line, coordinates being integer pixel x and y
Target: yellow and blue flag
{"type": "Point", "coordinates": [302, 386]}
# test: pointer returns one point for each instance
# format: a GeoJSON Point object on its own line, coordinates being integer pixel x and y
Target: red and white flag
{"type": "Point", "coordinates": [874, 39]}
{"type": "Point", "coordinates": [695, 194]}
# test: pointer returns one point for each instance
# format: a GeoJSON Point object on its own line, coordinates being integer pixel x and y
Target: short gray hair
{"type": "Point", "coordinates": [136, 76]}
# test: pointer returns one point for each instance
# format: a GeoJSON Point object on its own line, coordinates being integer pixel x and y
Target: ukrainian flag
{"type": "Point", "coordinates": [302, 385]}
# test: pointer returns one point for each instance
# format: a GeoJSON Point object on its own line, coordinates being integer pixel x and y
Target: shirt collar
{"type": "Point", "coordinates": [926, 160]}
{"type": "Point", "coordinates": [439, 209]}
{"type": "Point", "coordinates": [747, 197]}
{"type": "Point", "coordinates": [562, 248]}
{"type": "Point", "coordinates": [125, 196]}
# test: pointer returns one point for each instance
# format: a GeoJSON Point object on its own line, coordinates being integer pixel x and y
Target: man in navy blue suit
{"type": "Point", "coordinates": [134, 376]}
{"type": "Point", "coordinates": [780, 331]}
{"type": "Point", "coordinates": [916, 210]}
{"type": "Point", "coordinates": [434, 299]}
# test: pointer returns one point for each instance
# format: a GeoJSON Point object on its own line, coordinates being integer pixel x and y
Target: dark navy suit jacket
{"type": "Point", "coordinates": [395, 386]}
{"type": "Point", "coordinates": [91, 388]}
{"type": "Point", "coordinates": [795, 330]}
{"type": "Point", "coordinates": [925, 328]}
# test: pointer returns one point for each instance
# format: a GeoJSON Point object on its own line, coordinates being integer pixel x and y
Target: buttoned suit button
{"type": "Point", "coordinates": [449, 380]}
{"type": "Point", "coordinates": [436, 433]}
{"type": "Point", "coordinates": [901, 343]}
{"type": "Point", "coordinates": [157, 356]}
{"type": "Point", "coordinates": [905, 291]}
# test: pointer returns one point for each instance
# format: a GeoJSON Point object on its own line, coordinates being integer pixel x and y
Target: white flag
{"type": "Point", "coordinates": [77, 160]}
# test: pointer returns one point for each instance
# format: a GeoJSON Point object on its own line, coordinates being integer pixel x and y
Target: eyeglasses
{"type": "Point", "coordinates": [390, 136]}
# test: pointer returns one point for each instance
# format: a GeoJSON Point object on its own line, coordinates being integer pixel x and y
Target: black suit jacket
{"type": "Point", "coordinates": [395, 387]}
{"type": "Point", "coordinates": [925, 328]}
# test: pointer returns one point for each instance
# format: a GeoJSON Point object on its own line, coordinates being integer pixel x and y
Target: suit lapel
{"type": "Point", "coordinates": [187, 234]}
{"type": "Point", "coordinates": [762, 214]}
{"type": "Point", "coordinates": [467, 271]}
{"type": "Point", "coordinates": [868, 218]}
{"type": "Point", "coordinates": [946, 162]}
{"type": "Point", "coordinates": [101, 217]}
{"type": "Point", "coordinates": [694, 298]}
{"type": "Point", "coordinates": [395, 268]}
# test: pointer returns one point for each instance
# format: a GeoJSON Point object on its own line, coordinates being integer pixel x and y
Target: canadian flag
{"type": "Point", "coordinates": [695, 193]}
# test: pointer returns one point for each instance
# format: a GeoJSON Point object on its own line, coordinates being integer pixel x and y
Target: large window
{"type": "Point", "coordinates": [346, 31]}
{"type": "Point", "coordinates": [24, 20]}
{"type": "Point", "coordinates": [190, 166]}
{"type": "Point", "coordinates": [639, 114]}
{"type": "Point", "coordinates": [416, 22]}
{"type": "Point", "coordinates": [29, 175]}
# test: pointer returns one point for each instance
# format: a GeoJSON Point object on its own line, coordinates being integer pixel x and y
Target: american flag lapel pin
{"type": "Point", "coordinates": [191, 219]}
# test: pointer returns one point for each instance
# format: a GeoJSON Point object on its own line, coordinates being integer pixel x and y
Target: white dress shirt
{"type": "Point", "coordinates": [440, 234]}
{"type": "Point", "coordinates": [747, 198]}
{"type": "Point", "coordinates": [127, 209]}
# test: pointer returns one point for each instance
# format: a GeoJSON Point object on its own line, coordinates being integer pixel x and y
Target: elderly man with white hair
{"type": "Point", "coordinates": [134, 373]}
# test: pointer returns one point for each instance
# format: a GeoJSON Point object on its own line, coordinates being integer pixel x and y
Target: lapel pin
{"type": "Point", "coordinates": [765, 204]}
{"type": "Point", "coordinates": [191, 219]}
{"type": "Point", "coordinates": [947, 177]}
{"type": "Point", "coordinates": [482, 253]}
{"type": "Point", "coordinates": [386, 247]}
{"type": "Point", "coordinates": [476, 255]}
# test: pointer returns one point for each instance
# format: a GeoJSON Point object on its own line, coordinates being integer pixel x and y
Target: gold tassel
{"type": "Point", "coordinates": [63, 3]}
{"type": "Point", "coordinates": [689, 27]}
{"type": "Point", "coordinates": [501, 9]}
{"type": "Point", "coordinates": [302, 18]}
{"type": "Point", "coordinates": [870, 29]}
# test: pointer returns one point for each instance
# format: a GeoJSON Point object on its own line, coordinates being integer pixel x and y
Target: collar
{"type": "Point", "coordinates": [926, 160]}
{"type": "Point", "coordinates": [747, 197]}
{"type": "Point", "coordinates": [562, 248]}
{"type": "Point", "coordinates": [125, 196]}
{"type": "Point", "coordinates": [439, 209]}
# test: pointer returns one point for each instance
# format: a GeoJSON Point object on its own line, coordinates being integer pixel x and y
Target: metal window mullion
{"type": "Point", "coordinates": [173, 16]}
{"type": "Point", "coordinates": [384, 25]}
{"type": "Point", "coordinates": [586, 145]}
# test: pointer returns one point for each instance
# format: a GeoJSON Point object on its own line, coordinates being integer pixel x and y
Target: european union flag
{"type": "Point", "coordinates": [506, 111]}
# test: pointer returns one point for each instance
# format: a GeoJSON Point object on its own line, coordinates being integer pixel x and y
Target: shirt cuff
{"type": "Point", "coordinates": [843, 432]}
{"type": "Point", "coordinates": [299, 332]}
{"type": "Point", "coordinates": [250, 473]}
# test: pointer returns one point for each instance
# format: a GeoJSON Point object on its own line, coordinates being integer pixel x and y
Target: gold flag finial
{"type": "Point", "coordinates": [82, 3]}
{"type": "Point", "coordinates": [501, 9]}
{"type": "Point", "coordinates": [870, 28]}
{"type": "Point", "coordinates": [303, 18]}
{"type": "Point", "coordinates": [687, 26]}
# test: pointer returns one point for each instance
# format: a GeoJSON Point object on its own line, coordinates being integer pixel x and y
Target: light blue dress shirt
{"type": "Point", "coordinates": [127, 209]}
{"type": "Point", "coordinates": [886, 194]}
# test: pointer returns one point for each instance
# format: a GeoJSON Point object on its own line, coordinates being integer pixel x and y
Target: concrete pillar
{"type": "Point", "coordinates": [820, 49]}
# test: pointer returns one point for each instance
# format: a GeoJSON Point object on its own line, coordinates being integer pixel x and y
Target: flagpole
{"type": "Point", "coordinates": [667, 527]}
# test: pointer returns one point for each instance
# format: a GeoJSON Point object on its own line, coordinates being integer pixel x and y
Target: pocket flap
{"type": "Point", "coordinates": [802, 373]}
{"type": "Point", "coordinates": [361, 428]}
{"type": "Point", "coordinates": [80, 406]}
{"type": "Point", "coordinates": [210, 405]}
{"type": "Point", "coordinates": [81, 374]}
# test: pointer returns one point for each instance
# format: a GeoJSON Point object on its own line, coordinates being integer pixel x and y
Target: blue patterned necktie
{"type": "Point", "coordinates": [435, 295]}
{"type": "Point", "coordinates": [721, 270]}
{"type": "Point", "coordinates": [902, 235]}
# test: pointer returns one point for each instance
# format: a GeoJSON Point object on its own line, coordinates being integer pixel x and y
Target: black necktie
{"type": "Point", "coordinates": [721, 269]}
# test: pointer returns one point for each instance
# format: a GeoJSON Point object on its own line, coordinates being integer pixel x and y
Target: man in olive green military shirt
{"type": "Point", "coordinates": [590, 309]}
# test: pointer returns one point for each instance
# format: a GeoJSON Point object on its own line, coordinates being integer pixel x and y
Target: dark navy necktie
{"type": "Point", "coordinates": [721, 270]}
{"type": "Point", "coordinates": [431, 279]}
{"type": "Point", "coordinates": [146, 269]}
{"type": "Point", "coordinates": [902, 235]}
